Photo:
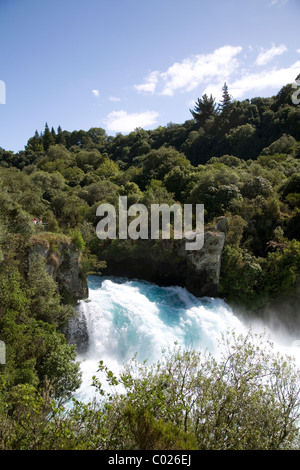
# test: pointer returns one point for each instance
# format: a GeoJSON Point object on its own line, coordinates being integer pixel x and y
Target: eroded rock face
{"type": "Point", "coordinates": [198, 270]}
{"type": "Point", "coordinates": [63, 264]}
{"type": "Point", "coordinates": [203, 266]}
{"type": "Point", "coordinates": [68, 274]}
{"type": "Point", "coordinates": [77, 332]}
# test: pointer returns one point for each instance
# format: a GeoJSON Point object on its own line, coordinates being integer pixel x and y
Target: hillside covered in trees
{"type": "Point", "coordinates": [238, 158]}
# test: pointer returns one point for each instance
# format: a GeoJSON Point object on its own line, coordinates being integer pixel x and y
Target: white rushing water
{"type": "Point", "coordinates": [126, 317]}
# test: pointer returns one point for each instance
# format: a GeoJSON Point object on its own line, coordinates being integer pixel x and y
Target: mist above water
{"type": "Point", "coordinates": [123, 318]}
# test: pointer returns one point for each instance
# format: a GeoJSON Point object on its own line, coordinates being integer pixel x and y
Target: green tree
{"type": "Point", "coordinates": [282, 271]}
{"type": "Point", "coordinates": [257, 186]}
{"type": "Point", "coordinates": [241, 141]}
{"type": "Point", "coordinates": [157, 163]}
{"type": "Point", "coordinates": [284, 144]}
{"type": "Point", "coordinates": [35, 143]}
{"type": "Point", "coordinates": [60, 137]}
{"type": "Point", "coordinates": [226, 99]}
{"type": "Point", "coordinates": [215, 187]}
{"type": "Point", "coordinates": [48, 138]}
{"type": "Point", "coordinates": [51, 184]}
{"type": "Point", "coordinates": [43, 294]}
{"type": "Point", "coordinates": [248, 399]}
{"type": "Point", "coordinates": [204, 109]}
{"type": "Point", "coordinates": [58, 368]}
{"type": "Point", "coordinates": [240, 277]}
{"type": "Point", "coordinates": [36, 353]}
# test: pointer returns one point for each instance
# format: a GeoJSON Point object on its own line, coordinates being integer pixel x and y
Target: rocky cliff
{"type": "Point", "coordinates": [203, 266]}
{"type": "Point", "coordinates": [62, 263]}
{"type": "Point", "coordinates": [167, 262]}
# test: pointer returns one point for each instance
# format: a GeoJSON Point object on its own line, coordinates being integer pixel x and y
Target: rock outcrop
{"type": "Point", "coordinates": [77, 332]}
{"type": "Point", "coordinates": [203, 266]}
{"type": "Point", "coordinates": [167, 262]}
{"type": "Point", "coordinates": [62, 263]}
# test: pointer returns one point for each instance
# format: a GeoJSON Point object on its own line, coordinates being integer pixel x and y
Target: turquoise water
{"type": "Point", "coordinates": [128, 317]}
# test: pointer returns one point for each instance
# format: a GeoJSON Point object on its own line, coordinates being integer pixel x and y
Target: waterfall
{"type": "Point", "coordinates": [122, 318]}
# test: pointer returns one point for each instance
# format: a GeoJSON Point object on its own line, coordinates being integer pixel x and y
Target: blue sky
{"type": "Point", "coordinates": [122, 64]}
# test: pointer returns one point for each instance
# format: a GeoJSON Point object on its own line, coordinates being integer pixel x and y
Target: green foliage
{"type": "Point", "coordinates": [77, 239]}
{"type": "Point", "coordinates": [235, 230]}
{"type": "Point", "coordinates": [240, 277]}
{"type": "Point", "coordinates": [215, 188]}
{"type": "Point", "coordinates": [102, 191]}
{"type": "Point", "coordinates": [283, 145]}
{"type": "Point", "coordinates": [30, 313]}
{"type": "Point", "coordinates": [157, 163]}
{"type": "Point", "coordinates": [204, 109]}
{"type": "Point", "coordinates": [282, 270]}
{"type": "Point", "coordinates": [241, 140]}
{"type": "Point", "coordinates": [23, 418]}
{"type": "Point", "coordinates": [51, 222]}
{"type": "Point", "coordinates": [43, 294]}
{"type": "Point", "coordinates": [247, 400]}
{"type": "Point", "coordinates": [48, 139]}
{"type": "Point", "coordinates": [156, 193]}
{"type": "Point", "coordinates": [226, 99]}
{"type": "Point", "coordinates": [58, 368]}
{"type": "Point", "coordinates": [291, 186]}
{"type": "Point", "coordinates": [257, 186]}
{"type": "Point", "coordinates": [240, 160]}
{"type": "Point", "coordinates": [228, 160]}
{"type": "Point", "coordinates": [49, 183]}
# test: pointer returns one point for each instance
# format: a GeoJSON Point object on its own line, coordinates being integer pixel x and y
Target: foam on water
{"type": "Point", "coordinates": [128, 317]}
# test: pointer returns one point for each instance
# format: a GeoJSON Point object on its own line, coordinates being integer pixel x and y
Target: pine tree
{"type": "Point", "coordinates": [35, 143]}
{"type": "Point", "coordinates": [60, 137]}
{"type": "Point", "coordinates": [204, 108]}
{"type": "Point", "coordinates": [226, 99]}
{"type": "Point", "coordinates": [48, 138]}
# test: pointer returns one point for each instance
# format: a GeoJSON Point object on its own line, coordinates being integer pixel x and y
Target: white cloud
{"type": "Point", "coordinates": [268, 79]}
{"type": "Point", "coordinates": [188, 74]}
{"type": "Point", "coordinates": [278, 3]}
{"type": "Point", "coordinates": [208, 72]}
{"type": "Point", "coordinates": [150, 83]}
{"type": "Point", "coordinates": [266, 56]}
{"type": "Point", "coordinates": [95, 92]}
{"type": "Point", "coordinates": [192, 71]}
{"type": "Point", "coordinates": [121, 121]}
{"type": "Point", "coordinates": [216, 90]}
{"type": "Point", "coordinates": [114, 99]}
{"type": "Point", "coordinates": [255, 82]}
{"type": "Point", "coordinates": [298, 50]}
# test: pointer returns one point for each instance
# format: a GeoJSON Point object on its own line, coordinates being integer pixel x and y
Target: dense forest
{"type": "Point", "coordinates": [238, 158]}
